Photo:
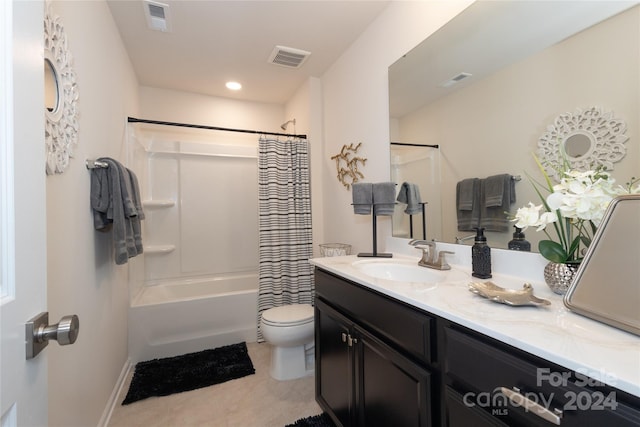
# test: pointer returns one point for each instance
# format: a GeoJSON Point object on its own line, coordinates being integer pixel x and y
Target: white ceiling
{"type": "Point", "coordinates": [485, 37]}
{"type": "Point", "coordinates": [212, 42]}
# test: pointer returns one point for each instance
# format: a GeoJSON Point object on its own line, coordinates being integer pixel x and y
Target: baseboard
{"type": "Point", "coordinates": [113, 399]}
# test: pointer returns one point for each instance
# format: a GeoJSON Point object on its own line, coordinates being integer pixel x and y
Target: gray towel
{"type": "Point", "coordinates": [362, 194]}
{"type": "Point", "coordinates": [497, 194]}
{"type": "Point", "coordinates": [384, 198]}
{"type": "Point", "coordinates": [494, 187]}
{"type": "Point", "coordinates": [410, 195]}
{"type": "Point", "coordinates": [468, 204]}
{"type": "Point", "coordinates": [116, 205]}
{"type": "Point", "coordinates": [465, 193]}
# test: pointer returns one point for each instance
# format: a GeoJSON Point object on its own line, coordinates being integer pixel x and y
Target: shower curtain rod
{"type": "Point", "coordinates": [187, 125]}
{"type": "Point", "coordinates": [414, 145]}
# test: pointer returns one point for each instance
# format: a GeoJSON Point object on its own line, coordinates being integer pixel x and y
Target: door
{"type": "Point", "coordinates": [23, 387]}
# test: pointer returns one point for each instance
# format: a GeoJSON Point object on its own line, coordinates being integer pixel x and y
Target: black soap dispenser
{"type": "Point", "coordinates": [519, 243]}
{"type": "Point", "coordinates": [481, 256]}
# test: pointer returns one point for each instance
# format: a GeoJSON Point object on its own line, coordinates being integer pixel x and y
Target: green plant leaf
{"type": "Point", "coordinates": [553, 251]}
{"type": "Point", "coordinates": [575, 244]}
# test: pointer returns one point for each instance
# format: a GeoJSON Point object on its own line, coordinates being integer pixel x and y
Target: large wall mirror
{"type": "Point", "coordinates": [485, 87]}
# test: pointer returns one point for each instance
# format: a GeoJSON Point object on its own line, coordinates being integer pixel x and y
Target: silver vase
{"type": "Point", "coordinates": [559, 276]}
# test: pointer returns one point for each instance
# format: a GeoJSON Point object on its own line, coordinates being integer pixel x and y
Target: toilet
{"type": "Point", "coordinates": [289, 330]}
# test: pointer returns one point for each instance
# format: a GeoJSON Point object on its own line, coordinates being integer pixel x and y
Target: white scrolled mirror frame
{"type": "Point", "coordinates": [61, 127]}
{"type": "Point", "coordinates": [597, 137]}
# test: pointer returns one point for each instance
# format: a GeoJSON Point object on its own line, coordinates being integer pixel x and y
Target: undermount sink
{"type": "Point", "coordinates": [405, 271]}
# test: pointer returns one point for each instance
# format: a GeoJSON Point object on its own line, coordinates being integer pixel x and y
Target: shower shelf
{"type": "Point", "coordinates": [159, 249]}
{"type": "Point", "coordinates": [160, 203]}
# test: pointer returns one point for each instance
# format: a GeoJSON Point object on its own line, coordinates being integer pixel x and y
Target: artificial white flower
{"type": "Point", "coordinates": [582, 195]}
{"type": "Point", "coordinates": [575, 206]}
{"type": "Point", "coordinates": [529, 216]}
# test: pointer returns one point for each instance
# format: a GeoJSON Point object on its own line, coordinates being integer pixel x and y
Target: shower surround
{"type": "Point", "coordinates": [195, 287]}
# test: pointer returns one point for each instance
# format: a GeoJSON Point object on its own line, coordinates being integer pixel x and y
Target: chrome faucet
{"type": "Point", "coordinates": [430, 257]}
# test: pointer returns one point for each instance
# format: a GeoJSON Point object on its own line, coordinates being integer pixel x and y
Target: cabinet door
{"type": "Point", "coordinates": [334, 364]}
{"type": "Point", "coordinates": [390, 390]}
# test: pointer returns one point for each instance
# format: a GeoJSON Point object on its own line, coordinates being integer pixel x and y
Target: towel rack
{"type": "Point", "coordinates": [424, 223]}
{"type": "Point", "coordinates": [516, 177]}
{"type": "Point", "coordinates": [96, 164]}
{"type": "Point", "coordinates": [374, 253]}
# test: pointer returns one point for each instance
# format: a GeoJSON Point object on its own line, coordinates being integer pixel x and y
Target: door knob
{"type": "Point", "coordinates": [39, 332]}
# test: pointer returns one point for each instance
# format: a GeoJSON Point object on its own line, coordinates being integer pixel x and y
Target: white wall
{"type": "Point", "coordinates": [356, 110]}
{"type": "Point", "coordinates": [185, 107]}
{"type": "Point", "coordinates": [82, 276]}
{"type": "Point", "coordinates": [306, 107]}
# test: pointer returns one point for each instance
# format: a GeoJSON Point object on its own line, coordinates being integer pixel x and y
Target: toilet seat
{"type": "Point", "coordinates": [288, 315]}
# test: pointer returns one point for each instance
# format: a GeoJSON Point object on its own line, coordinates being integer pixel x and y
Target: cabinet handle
{"type": "Point", "coordinates": [352, 341]}
{"type": "Point", "coordinates": [515, 396]}
{"type": "Point", "coordinates": [344, 337]}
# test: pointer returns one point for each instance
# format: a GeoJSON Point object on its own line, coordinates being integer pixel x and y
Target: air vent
{"type": "Point", "coordinates": [157, 15]}
{"type": "Point", "coordinates": [288, 57]}
{"type": "Point", "coordinates": [455, 79]}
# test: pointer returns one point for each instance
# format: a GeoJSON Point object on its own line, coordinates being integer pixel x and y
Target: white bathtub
{"type": "Point", "coordinates": [190, 315]}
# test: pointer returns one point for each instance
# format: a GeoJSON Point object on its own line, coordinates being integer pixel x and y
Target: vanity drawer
{"type": "Point", "coordinates": [506, 383]}
{"type": "Point", "coordinates": [459, 413]}
{"type": "Point", "coordinates": [406, 329]}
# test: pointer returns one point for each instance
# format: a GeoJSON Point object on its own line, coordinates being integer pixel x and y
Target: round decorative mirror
{"type": "Point", "coordinates": [51, 94]}
{"type": "Point", "coordinates": [588, 138]}
{"type": "Point", "coordinates": [578, 145]}
{"type": "Point", "coordinates": [60, 97]}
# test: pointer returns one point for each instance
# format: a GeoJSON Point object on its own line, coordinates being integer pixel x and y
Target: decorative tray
{"type": "Point", "coordinates": [502, 295]}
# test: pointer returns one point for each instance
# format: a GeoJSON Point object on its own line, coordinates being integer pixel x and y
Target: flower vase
{"type": "Point", "coordinates": [559, 276]}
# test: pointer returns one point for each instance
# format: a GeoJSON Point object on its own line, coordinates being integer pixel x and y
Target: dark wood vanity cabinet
{"type": "Point", "coordinates": [362, 378]}
{"type": "Point", "coordinates": [485, 377]}
{"type": "Point", "coordinates": [381, 362]}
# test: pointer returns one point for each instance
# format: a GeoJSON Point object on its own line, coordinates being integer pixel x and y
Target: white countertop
{"type": "Point", "coordinates": [552, 332]}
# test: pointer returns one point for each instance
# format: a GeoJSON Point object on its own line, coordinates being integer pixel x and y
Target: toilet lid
{"type": "Point", "coordinates": [292, 314]}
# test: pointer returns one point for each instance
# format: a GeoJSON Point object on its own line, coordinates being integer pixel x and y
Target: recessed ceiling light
{"type": "Point", "coordinates": [234, 86]}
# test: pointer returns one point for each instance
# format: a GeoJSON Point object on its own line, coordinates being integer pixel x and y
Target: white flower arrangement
{"type": "Point", "coordinates": [575, 207]}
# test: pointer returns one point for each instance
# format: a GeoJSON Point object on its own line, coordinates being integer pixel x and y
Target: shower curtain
{"type": "Point", "coordinates": [284, 204]}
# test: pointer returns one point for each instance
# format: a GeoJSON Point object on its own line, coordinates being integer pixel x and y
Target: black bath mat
{"type": "Point", "coordinates": [162, 377]}
{"type": "Point", "coordinates": [322, 420]}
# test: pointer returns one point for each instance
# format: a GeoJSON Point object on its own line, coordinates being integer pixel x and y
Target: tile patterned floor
{"type": "Point", "coordinates": [252, 401]}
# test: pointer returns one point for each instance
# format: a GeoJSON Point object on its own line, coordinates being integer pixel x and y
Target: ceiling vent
{"type": "Point", "coordinates": [288, 57]}
{"type": "Point", "coordinates": [157, 15]}
{"type": "Point", "coordinates": [455, 79]}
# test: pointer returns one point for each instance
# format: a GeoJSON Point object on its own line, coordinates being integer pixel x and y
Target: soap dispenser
{"type": "Point", "coordinates": [519, 243]}
{"type": "Point", "coordinates": [481, 256]}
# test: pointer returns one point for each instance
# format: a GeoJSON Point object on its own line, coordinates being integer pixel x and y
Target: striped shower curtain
{"type": "Point", "coordinates": [284, 204]}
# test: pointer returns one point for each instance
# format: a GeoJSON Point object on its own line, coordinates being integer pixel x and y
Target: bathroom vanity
{"type": "Point", "coordinates": [411, 353]}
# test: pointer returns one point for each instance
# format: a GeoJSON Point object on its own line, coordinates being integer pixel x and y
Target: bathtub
{"type": "Point", "coordinates": [187, 315]}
